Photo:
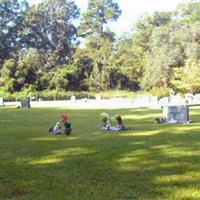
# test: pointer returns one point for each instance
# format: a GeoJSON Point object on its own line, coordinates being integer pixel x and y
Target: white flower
{"type": "Point", "coordinates": [104, 115]}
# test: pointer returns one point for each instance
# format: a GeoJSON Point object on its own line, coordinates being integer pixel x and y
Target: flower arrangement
{"type": "Point", "coordinates": [119, 119]}
{"type": "Point", "coordinates": [105, 117]}
{"type": "Point", "coordinates": [64, 117]}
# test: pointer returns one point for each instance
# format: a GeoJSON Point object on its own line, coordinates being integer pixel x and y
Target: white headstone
{"type": "Point", "coordinates": [98, 97]}
{"type": "Point", "coordinates": [164, 101]}
{"type": "Point", "coordinates": [154, 100]}
{"type": "Point", "coordinates": [85, 99]}
{"type": "Point", "coordinates": [189, 98]}
{"type": "Point", "coordinates": [176, 99]}
{"type": "Point", "coordinates": [33, 97]}
{"type": "Point", "coordinates": [1, 101]}
{"type": "Point", "coordinates": [73, 98]}
{"type": "Point", "coordinates": [197, 98]}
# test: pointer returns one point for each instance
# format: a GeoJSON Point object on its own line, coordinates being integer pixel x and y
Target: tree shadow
{"type": "Point", "coordinates": [149, 162]}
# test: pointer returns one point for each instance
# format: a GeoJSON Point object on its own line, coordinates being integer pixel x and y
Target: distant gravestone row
{"type": "Point", "coordinates": [179, 100]}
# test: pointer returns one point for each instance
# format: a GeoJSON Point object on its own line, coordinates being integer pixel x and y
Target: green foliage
{"type": "Point", "coordinates": [160, 91]}
{"type": "Point", "coordinates": [99, 52]}
{"type": "Point", "coordinates": [118, 93]}
{"type": "Point", "coordinates": [126, 66]}
{"type": "Point", "coordinates": [49, 28]}
{"type": "Point", "coordinates": [187, 78]}
{"type": "Point", "coordinates": [142, 36]}
{"type": "Point", "coordinates": [11, 12]}
{"type": "Point", "coordinates": [7, 75]}
{"type": "Point", "coordinates": [99, 43]}
{"type": "Point", "coordinates": [150, 48]}
{"type": "Point", "coordinates": [39, 48]}
{"type": "Point", "coordinates": [8, 69]}
{"type": "Point", "coordinates": [189, 12]}
{"type": "Point", "coordinates": [98, 14]}
{"type": "Point", "coordinates": [61, 78]}
{"type": "Point", "coordinates": [165, 41]}
{"type": "Point", "coordinates": [27, 69]}
{"type": "Point", "coordinates": [159, 65]}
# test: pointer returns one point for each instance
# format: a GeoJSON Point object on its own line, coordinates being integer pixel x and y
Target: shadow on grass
{"type": "Point", "coordinates": [148, 162]}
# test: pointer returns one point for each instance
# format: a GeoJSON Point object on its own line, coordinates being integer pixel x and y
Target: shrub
{"type": "Point", "coordinates": [160, 91]}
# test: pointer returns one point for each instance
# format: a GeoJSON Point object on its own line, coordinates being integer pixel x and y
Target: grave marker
{"type": "Point", "coordinates": [1, 101]}
{"type": "Point", "coordinates": [25, 103]}
{"type": "Point", "coordinates": [176, 114]}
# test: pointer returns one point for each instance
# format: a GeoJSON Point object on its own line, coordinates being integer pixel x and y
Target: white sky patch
{"type": "Point", "coordinates": [131, 11]}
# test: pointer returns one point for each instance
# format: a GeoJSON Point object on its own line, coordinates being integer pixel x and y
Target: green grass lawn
{"type": "Point", "coordinates": [147, 162]}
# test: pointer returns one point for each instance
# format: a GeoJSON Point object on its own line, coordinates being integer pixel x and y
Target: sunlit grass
{"type": "Point", "coordinates": [59, 155]}
{"type": "Point", "coordinates": [145, 162]}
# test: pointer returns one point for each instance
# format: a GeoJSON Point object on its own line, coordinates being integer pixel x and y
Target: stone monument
{"type": "Point", "coordinates": [176, 114]}
{"type": "Point", "coordinates": [25, 103]}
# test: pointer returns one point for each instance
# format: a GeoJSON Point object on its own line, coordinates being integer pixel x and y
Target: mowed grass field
{"type": "Point", "coordinates": [149, 161]}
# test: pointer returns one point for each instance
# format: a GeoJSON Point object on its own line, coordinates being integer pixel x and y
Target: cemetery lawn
{"type": "Point", "coordinates": [149, 161]}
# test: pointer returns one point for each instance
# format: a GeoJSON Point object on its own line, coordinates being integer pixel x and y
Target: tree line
{"type": "Point", "coordinates": [41, 48]}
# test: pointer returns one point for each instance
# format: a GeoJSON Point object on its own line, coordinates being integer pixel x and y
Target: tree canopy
{"type": "Point", "coordinates": [40, 48]}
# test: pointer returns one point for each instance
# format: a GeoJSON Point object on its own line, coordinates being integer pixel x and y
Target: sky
{"type": "Point", "coordinates": [131, 11]}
